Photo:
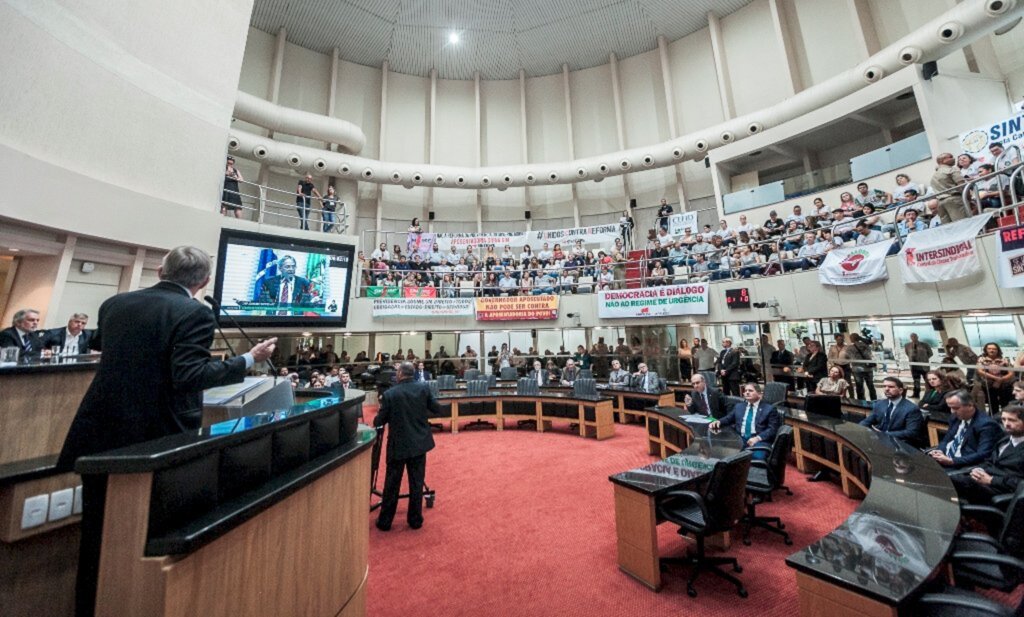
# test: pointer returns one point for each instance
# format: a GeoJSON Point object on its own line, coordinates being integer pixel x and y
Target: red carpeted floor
{"type": "Point", "coordinates": [524, 524]}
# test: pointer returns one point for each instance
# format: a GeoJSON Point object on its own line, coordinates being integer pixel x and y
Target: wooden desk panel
{"type": "Point", "coordinates": [601, 427]}
{"type": "Point", "coordinates": [36, 410]}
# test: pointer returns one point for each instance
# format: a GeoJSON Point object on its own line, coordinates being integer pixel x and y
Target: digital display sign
{"type": "Point", "coordinates": [737, 298]}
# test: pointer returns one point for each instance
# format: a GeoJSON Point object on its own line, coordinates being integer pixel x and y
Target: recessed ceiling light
{"type": "Point", "coordinates": [14, 250]}
{"type": "Point", "coordinates": [453, 38]}
{"type": "Point", "coordinates": [977, 313]}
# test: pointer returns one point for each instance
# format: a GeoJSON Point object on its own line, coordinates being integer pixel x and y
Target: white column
{"type": "Point", "coordinates": [569, 137]}
{"type": "Point", "coordinates": [864, 34]}
{"type": "Point", "coordinates": [789, 64]}
{"type": "Point", "coordinates": [60, 282]}
{"type": "Point", "coordinates": [620, 125]}
{"type": "Point", "coordinates": [273, 95]}
{"type": "Point", "coordinates": [670, 107]}
{"type": "Point", "coordinates": [478, 124]}
{"type": "Point", "coordinates": [131, 275]}
{"type": "Point", "coordinates": [431, 141]}
{"type": "Point", "coordinates": [721, 68]}
{"type": "Point", "coordinates": [383, 136]}
{"type": "Point", "coordinates": [525, 153]}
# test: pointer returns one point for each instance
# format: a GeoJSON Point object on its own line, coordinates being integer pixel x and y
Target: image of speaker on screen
{"type": "Point", "coordinates": [278, 283]}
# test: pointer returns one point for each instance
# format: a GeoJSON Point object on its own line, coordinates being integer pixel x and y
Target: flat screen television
{"type": "Point", "coordinates": [276, 281]}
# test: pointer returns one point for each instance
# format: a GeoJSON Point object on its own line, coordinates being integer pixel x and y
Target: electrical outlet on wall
{"type": "Point", "coordinates": [35, 510]}
{"type": "Point", "coordinates": [60, 504]}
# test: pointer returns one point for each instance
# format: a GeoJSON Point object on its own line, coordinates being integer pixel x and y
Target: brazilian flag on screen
{"type": "Point", "coordinates": [316, 272]}
{"type": "Point", "coordinates": [266, 267]}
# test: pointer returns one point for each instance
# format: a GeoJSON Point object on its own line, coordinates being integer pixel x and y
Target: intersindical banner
{"type": "Point", "coordinates": [422, 307]}
{"type": "Point", "coordinates": [516, 308]}
{"type": "Point", "coordinates": [943, 253]}
{"type": "Point", "coordinates": [654, 301]}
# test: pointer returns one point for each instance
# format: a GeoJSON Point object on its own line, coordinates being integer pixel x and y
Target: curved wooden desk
{"type": "Point", "coordinates": [264, 515]}
{"type": "Point", "coordinates": [872, 564]}
{"type": "Point", "coordinates": [593, 414]}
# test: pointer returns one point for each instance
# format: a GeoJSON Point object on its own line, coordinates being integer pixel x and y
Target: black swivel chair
{"type": "Point", "coordinates": [584, 387]}
{"type": "Point", "coordinates": [953, 602]}
{"type": "Point", "coordinates": [471, 374]}
{"type": "Point", "coordinates": [434, 389]}
{"type": "Point", "coordinates": [586, 373]}
{"type": "Point", "coordinates": [479, 387]}
{"type": "Point", "coordinates": [509, 373]}
{"type": "Point", "coordinates": [765, 478]}
{"type": "Point", "coordinates": [991, 560]}
{"type": "Point", "coordinates": [775, 393]}
{"type": "Point", "coordinates": [446, 382]}
{"type": "Point", "coordinates": [527, 387]}
{"type": "Point", "coordinates": [717, 510]}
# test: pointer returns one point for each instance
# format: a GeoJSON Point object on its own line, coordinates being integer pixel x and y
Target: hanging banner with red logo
{"type": "Point", "coordinates": [855, 265]}
{"type": "Point", "coordinates": [1011, 256]}
{"type": "Point", "coordinates": [943, 253]}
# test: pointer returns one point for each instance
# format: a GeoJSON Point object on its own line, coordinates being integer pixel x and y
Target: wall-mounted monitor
{"type": "Point", "coordinates": [277, 281]}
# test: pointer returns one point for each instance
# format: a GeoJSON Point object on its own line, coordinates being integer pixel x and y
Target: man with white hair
{"type": "Point", "coordinates": [23, 333]}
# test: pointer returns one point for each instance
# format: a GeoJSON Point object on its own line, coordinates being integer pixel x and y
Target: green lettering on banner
{"type": "Point", "coordinates": [374, 292]}
{"type": "Point", "coordinates": [391, 292]}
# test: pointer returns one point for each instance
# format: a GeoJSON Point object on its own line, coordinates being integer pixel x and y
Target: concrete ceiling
{"type": "Point", "coordinates": [496, 37]}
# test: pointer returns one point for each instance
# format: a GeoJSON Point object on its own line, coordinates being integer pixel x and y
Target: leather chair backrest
{"type": "Point", "coordinates": [725, 497]}
{"type": "Point", "coordinates": [731, 401]}
{"type": "Point", "coordinates": [446, 382]}
{"type": "Point", "coordinates": [509, 373]}
{"type": "Point", "coordinates": [1012, 535]}
{"type": "Point", "coordinates": [586, 373]}
{"type": "Point", "coordinates": [710, 379]}
{"type": "Point", "coordinates": [432, 384]}
{"type": "Point", "coordinates": [779, 456]}
{"type": "Point", "coordinates": [477, 387]}
{"type": "Point", "coordinates": [584, 387]}
{"type": "Point", "coordinates": [472, 374]}
{"type": "Point", "coordinates": [492, 380]}
{"type": "Point", "coordinates": [775, 392]}
{"type": "Point", "coordinates": [527, 386]}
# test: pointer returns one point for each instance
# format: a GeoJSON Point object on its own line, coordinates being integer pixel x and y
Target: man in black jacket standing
{"type": "Point", "coordinates": [405, 408]}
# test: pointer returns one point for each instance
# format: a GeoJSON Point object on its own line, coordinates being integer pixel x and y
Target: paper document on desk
{"type": "Point", "coordinates": [697, 419]}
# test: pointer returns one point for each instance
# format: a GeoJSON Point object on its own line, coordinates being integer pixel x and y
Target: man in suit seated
{"type": "Point", "coordinates": [539, 374]}
{"type": "Point", "coordinates": [286, 288]}
{"type": "Point", "coordinates": [755, 421]}
{"type": "Point", "coordinates": [895, 415]}
{"type": "Point", "coordinates": [971, 437]}
{"type": "Point", "coordinates": [645, 380]}
{"type": "Point", "coordinates": [704, 401]}
{"type": "Point", "coordinates": [73, 340]}
{"type": "Point", "coordinates": [618, 377]}
{"type": "Point", "coordinates": [23, 333]}
{"type": "Point", "coordinates": [421, 373]}
{"type": "Point", "coordinates": [1003, 470]}
{"type": "Point", "coordinates": [571, 373]}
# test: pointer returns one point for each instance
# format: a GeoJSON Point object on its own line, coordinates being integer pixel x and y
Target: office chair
{"type": "Point", "coordinates": [990, 560]}
{"type": "Point", "coordinates": [586, 373]}
{"type": "Point", "coordinates": [715, 511]}
{"type": "Point", "coordinates": [584, 387]}
{"type": "Point", "coordinates": [774, 392]}
{"type": "Point", "coordinates": [953, 602]}
{"type": "Point", "coordinates": [446, 382]}
{"type": "Point", "coordinates": [527, 387]}
{"type": "Point", "coordinates": [492, 380]}
{"type": "Point", "coordinates": [471, 374]}
{"type": "Point", "coordinates": [434, 388]}
{"type": "Point", "coordinates": [765, 478]}
{"type": "Point", "coordinates": [509, 373]}
{"type": "Point", "coordinates": [478, 387]}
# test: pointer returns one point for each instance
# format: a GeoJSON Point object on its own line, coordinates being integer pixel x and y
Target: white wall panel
{"type": "Point", "coordinates": [694, 82]}
{"type": "Point", "coordinates": [504, 205]}
{"type": "Point", "coordinates": [546, 123]}
{"type": "Point", "coordinates": [358, 101]}
{"type": "Point", "coordinates": [305, 84]}
{"type": "Point", "coordinates": [408, 106]}
{"type": "Point", "coordinates": [455, 142]}
{"type": "Point", "coordinates": [823, 49]}
{"type": "Point", "coordinates": [501, 123]}
{"type": "Point", "coordinates": [593, 111]}
{"type": "Point", "coordinates": [643, 100]}
{"type": "Point", "coordinates": [754, 58]}
{"type": "Point", "coordinates": [257, 64]}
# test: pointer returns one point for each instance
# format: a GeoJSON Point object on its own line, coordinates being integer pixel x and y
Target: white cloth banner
{"type": "Point", "coordinates": [654, 301]}
{"type": "Point", "coordinates": [597, 234]}
{"type": "Point", "coordinates": [855, 265]}
{"type": "Point", "coordinates": [422, 307]}
{"type": "Point", "coordinates": [1011, 256]}
{"type": "Point", "coordinates": [1007, 131]}
{"type": "Point", "coordinates": [943, 253]}
{"type": "Point", "coordinates": [678, 224]}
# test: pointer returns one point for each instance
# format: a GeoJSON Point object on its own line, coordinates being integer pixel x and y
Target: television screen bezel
{"type": "Point", "coordinates": [301, 244]}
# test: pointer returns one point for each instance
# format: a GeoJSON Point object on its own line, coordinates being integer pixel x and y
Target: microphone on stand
{"type": "Point", "coordinates": [218, 309]}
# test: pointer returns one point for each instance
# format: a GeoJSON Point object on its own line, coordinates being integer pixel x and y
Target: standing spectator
{"type": "Point", "coordinates": [947, 177]}
{"type": "Point", "coordinates": [996, 377]}
{"type": "Point", "coordinates": [967, 165]}
{"type": "Point", "coordinates": [328, 205]}
{"type": "Point", "coordinates": [814, 366]}
{"type": "Point", "coordinates": [859, 352]}
{"type": "Point", "coordinates": [626, 228]}
{"type": "Point", "coordinates": [729, 368]}
{"type": "Point", "coordinates": [304, 200]}
{"type": "Point", "coordinates": [231, 199]}
{"type": "Point", "coordinates": [918, 352]}
{"type": "Point", "coordinates": [664, 211]}
{"type": "Point", "coordinates": [685, 355]}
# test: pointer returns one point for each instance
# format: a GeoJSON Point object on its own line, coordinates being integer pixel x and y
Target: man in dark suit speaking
{"type": "Point", "coordinates": [155, 365]}
{"type": "Point", "coordinates": [286, 288]}
{"type": "Point", "coordinates": [755, 421]}
{"type": "Point", "coordinates": [704, 401]}
{"type": "Point", "coordinates": [405, 408]}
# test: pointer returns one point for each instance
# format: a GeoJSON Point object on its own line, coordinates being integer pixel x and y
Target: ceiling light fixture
{"type": "Point", "coordinates": [453, 38]}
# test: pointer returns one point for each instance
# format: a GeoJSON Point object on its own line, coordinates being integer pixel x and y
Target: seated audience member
{"type": "Point", "coordinates": [932, 206]}
{"type": "Point", "coordinates": [774, 225]}
{"type": "Point", "coordinates": [971, 437]}
{"type": "Point", "coordinates": [755, 420]}
{"type": "Point", "coordinates": [901, 194]}
{"type": "Point", "coordinates": [704, 401]}
{"type": "Point", "coordinates": [570, 374]}
{"type": "Point", "coordinates": [866, 234]}
{"type": "Point", "coordinates": [748, 263]}
{"type": "Point", "coordinates": [842, 226]}
{"type": "Point", "coordinates": [677, 256]}
{"type": "Point", "coordinates": [967, 165]}
{"type": "Point", "coordinates": [606, 279]}
{"type": "Point", "coordinates": [658, 275]}
{"type": "Point", "coordinates": [1003, 470]}
{"type": "Point", "coordinates": [797, 217]}
{"type": "Point", "coordinates": [545, 255]}
{"type": "Point", "coordinates": [707, 234]}
{"type": "Point", "coordinates": [833, 384]}
{"type": "Point", "coordinates": [848, 204]}
{"type": "Point", "coordinates": [895, 415]}
{"type": "Point", "coordinates": [617, 376]}
{"type": "Point", "coordinates": [507, 284]}
{"type": "Point", "coordinates": [644, 379]}
{"type": "Point", "coordinates": [990, 189]}
{"type": "Point", "coordinates": [72, 340]}
{"type": "Point", "coordinates": [810, 254]}
{"type": "Point", "coordinates": [821, 212]}
{"type": "Point", "coordinates": [867, 214]}
{"type": "Point", "coordinates": [539, 374]}
{"type": "Point", "coordinates": [744, 226]}
{"type": "Point", "coordinates": [876, 197]}
{"type": "Point", "coordinates": [727, 234]}
{"type": "Point", "coordinates": [938, 383]}
{"type": "Point", "coordinates": [910, 223]}
{"type": "Point", "coordinates": [544, 284]}
{"type": "Point", "coordinates": [23, 333]}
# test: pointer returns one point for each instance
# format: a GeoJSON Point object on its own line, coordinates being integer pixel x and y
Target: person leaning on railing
{"type": "Point", "coordinates": [947, 176]}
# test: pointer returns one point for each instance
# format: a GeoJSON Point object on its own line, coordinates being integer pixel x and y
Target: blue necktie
{"type": "Point", "coordinates": [954, 445]}
{"type": "Point", "coordinates": [888, 416]}
{"type": "Point", "coordinates": [748, 422]}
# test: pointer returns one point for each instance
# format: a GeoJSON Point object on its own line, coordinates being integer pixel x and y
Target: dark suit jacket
{"type": "Point", "coordinates": [1006, 469]}
{"type": "Point", "coordinates": [715, 400]}
{"type": "Point", "coordinates": [622, 378]}
{"type": "Point", "coordinates": [9, 337]}
{"type": "Point", "coordinates": [766, 423]}
{"type": "Point", "coordinates": [55, 338]}
{"type": "Point", "coordinates": [980, 439]}
{"type": "Point", "coordinates": [730, 363]}
{"type": "Point", "coordinates": [426, 376]}
{"type": "Point", "coordinates": [544, 374]}
{"type": "Point", "coordinates": [571, 375]}
{"type": "Point", "coordinates": [301, 292]}
{"type": "Point", "coordinates": [405, 408]}
{"type": "Point", "coordinates": [653, 382]}
{"type": "Point", "coordinates": [155, 365]}
{"type": "Point", "coordinates": [906, 422]}
{"type": "Point", "coordinates": [817, 365]}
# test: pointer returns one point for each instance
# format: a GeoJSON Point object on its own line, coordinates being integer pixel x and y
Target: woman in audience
{"type": "Point", "coordinates": [903, 184]}
{"type": "Point", "coordinates": [526, 256]}
{"type": "Point", "coordinates": [490, 285]}
{"type": "Point", "coordinates": [589, 264]}
{"type": "Point", "coordinates": [996, 377]}
{"type": "Point", "coordinates": [231, 199]}
{"type": "Point", "coordinates": [328, 205]}
{"type": "Point", "coordinates": [847, 204]}
{"type": "Point", "coordinates": [606, 279]}
{"type": "Point", "coordinates": [478, 284]}
{"type": "Point", "coordinates": [939, 385]}
{"type": "Point", "coordinates": [867, 214]}
{"type": "Point", "coordinates": [557, 256]}
{"type": "Point", "coordinates": [685, 357]}
{"type": "Point", "coordinates": [748, 262]}
{"type": "Point", "coordinates": [508, 259]}
{"type": "Point", "coordinates": [526, 283]}
{"type": "Point", "coordinates": [447, 287]}
{"type": "Point", "coordinates": [742, 239]}
{"type": "Point", "coordinates": [658, 276]}
{"type": "Point", "coordinates": [461, 270]}
{"type": "Point", "coordinates": [834, 383]}
{"type": "Point", "coordinates": [967, 165]}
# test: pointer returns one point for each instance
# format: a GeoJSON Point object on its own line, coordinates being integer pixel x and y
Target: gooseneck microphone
{"type": "Point", "coordinates": [219, 310]}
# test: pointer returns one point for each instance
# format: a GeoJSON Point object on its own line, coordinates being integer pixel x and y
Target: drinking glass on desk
{"type": "Point", "coordinates": [9, 355]}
